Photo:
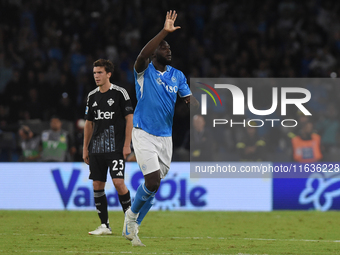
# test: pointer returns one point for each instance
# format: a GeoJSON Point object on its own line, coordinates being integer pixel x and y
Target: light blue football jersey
{"type": "Point", "coordinates": [156, 95]}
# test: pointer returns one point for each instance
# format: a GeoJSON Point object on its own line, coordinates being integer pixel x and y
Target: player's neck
{"type": "Point", "coordinates": [105, 87]}
{"type": "Point", "coordinates": [158, 66]}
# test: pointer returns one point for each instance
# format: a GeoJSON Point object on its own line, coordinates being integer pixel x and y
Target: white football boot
{"type": "Point", "coordinates": [101, 230]}
{"type": "Point", "coordinates": [136, 241]}
{"type": "Point", "coordinates": [130, 225]}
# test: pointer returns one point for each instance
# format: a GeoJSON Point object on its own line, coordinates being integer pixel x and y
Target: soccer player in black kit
{"type": "Point", "coordinates": [107, 138]}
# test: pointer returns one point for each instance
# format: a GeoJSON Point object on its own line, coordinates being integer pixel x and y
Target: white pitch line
{"type": "Point", "coordinates": [233, 238]}
{"type": "Point", "coordinates": [292, 240]}
{"type": "Point", "coordinates": [126, 252]}
{"type": "Point", "coordinates": [200, 237]}
{"type": "Point", "coordinates": [96, 252]}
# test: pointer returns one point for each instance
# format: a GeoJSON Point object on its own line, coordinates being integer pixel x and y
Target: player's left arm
{"type": "Point", "coordinates": [128, 135]}
{"type": "Point", "coordinates": [185, 93]}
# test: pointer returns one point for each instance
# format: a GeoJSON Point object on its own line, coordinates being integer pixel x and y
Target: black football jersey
{"type": "Point", "coordinates": [107, 111]}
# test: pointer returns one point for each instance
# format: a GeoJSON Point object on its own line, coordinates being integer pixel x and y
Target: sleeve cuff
{"type": "Point", "coordinates": [185, 95]}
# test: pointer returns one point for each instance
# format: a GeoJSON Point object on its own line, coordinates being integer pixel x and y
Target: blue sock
{"type": "Point", "coordinates": [144, 210]}
{"type": "Point", "coordinates": [142, 195]}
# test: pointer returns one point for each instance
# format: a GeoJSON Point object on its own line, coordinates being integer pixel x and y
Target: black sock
{"type": "Point", "coordinates": [125, 201]}
{"type": "Point", "coordinates": [101, 205]}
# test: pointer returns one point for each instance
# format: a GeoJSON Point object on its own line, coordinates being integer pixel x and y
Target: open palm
{"type": "Point", "coordinates": [169, 24]}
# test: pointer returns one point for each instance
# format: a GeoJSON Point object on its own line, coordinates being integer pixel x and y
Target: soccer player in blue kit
{"type": "Point", "coordinates": [157, 84]}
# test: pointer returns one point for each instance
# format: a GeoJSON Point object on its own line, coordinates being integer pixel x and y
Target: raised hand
{"type": "Point", "coordinates": [169, 24]}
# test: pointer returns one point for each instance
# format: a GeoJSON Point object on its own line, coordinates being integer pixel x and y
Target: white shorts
{"type": "Point", "coordinates": [152, 152]}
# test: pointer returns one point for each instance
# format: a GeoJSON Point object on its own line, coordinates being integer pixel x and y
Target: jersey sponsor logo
{"type": "Point", "coordinates": [104, 115]}
{"type": "Point", "coordinates": [94, 104]}
{"type": "Point", "coordinates": [170, 89]}
{"type": "Point", "coordinates": [110, 101]}
{"type": "Point", "coordinates": [128, 108]}
{"type": "Point", "coordinates": [120, 173]}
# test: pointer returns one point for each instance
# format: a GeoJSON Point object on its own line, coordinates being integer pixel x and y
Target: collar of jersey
{"type": "Point", "coordinates": [167, 68]}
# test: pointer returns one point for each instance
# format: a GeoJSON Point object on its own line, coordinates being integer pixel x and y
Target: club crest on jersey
{"type": "Point", "coordinates": [110, 101]}
{"type": "Point", "coordinates": [173, 79]}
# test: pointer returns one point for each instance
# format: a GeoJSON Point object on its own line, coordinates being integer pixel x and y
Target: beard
{"type": "Point", "coordinates": [162, 60]}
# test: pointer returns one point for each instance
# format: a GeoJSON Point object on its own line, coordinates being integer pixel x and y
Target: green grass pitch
{"type": "Point", "coordinates": [167, 232]}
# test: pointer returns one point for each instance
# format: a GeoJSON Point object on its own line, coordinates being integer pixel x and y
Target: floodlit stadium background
{"type": "Point", "coordinates": [46, 53]}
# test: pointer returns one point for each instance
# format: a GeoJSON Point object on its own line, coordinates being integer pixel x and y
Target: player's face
{"type": "Point", "coordinates": [100, 75]}
{"type": "Point", "coordinates": [163, 54]}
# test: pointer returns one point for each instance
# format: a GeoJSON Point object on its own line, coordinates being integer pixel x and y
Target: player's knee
{"type": "Point", "coordinates": [98, 185]}
{"type": "Point", "coordinates": [119, 185]}
{"type": "Point", "coordinates": [152, 181]}
{"type": "Point", "coordinates": [153, 185]}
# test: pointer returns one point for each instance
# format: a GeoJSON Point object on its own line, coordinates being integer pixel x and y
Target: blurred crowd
{"type": "Point", "coordinates": [47, 49]}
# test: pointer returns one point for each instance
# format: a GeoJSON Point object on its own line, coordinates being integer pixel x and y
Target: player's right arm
{"type": "Point", "coordinates": [142, 60]}
{"type": "Point", "coordinates": [88, 131]}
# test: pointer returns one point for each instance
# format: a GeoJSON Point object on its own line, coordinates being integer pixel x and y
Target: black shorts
{"type": "Point", "coordinates": [100, 163]}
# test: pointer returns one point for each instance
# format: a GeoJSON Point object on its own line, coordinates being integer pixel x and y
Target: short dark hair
{"type": "Point", "coordinates": [163, 42]}
{"type": "Point", "coordinates": [107, 64]}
